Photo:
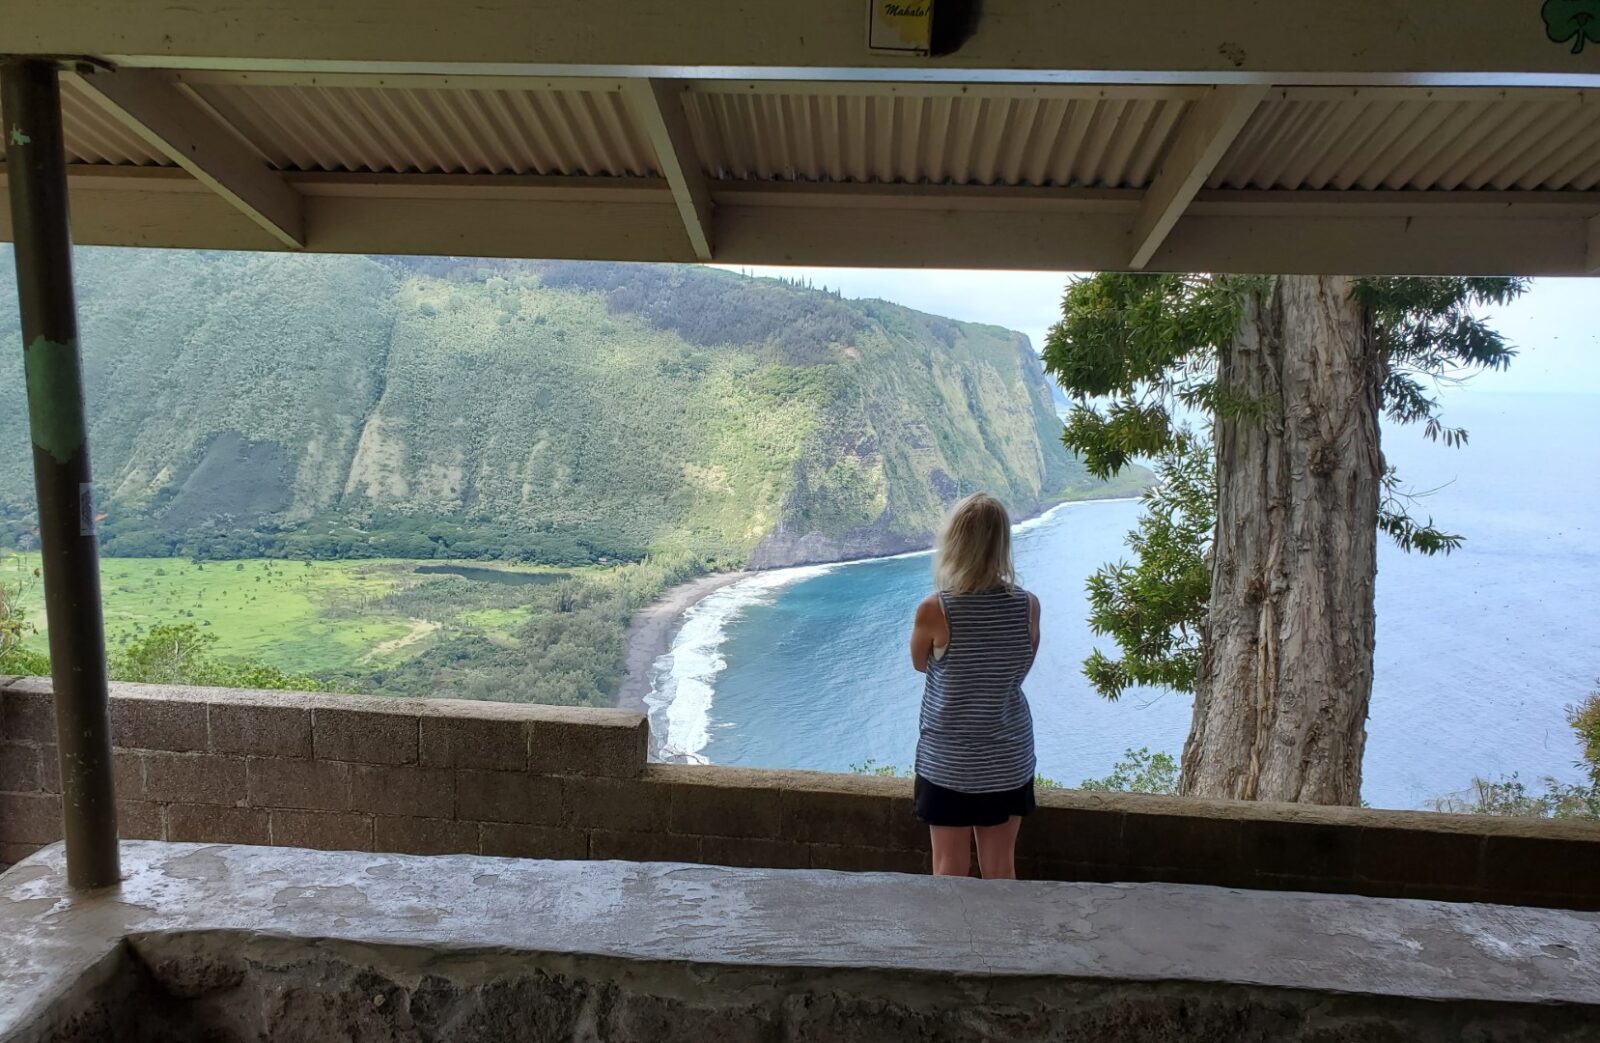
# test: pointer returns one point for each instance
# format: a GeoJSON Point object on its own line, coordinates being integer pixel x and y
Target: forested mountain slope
{"type": "Point", "coordinates": [330, 406]}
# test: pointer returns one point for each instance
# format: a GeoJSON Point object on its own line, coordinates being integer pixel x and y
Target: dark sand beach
{"type": "Point", "coordinates": [652, 629]}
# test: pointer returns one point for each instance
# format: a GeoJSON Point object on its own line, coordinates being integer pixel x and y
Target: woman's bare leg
{"type": "Point", "coordinates": [997, 849]}
{"type": "Point", "coordinates": [952, 850]}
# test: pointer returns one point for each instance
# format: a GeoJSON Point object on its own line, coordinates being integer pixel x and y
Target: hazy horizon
{"type": "Point", "coordinates": [1559, 349]}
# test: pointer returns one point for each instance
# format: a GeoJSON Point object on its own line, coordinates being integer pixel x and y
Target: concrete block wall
{"type": "Point", "coordinates": [444, 776]}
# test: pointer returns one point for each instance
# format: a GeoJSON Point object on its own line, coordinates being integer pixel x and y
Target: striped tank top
{"type": "Point", "coordinates": [976, 729]}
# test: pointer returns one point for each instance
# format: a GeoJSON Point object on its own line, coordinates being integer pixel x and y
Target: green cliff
{"type": "Point", "coordinates": [249, 405]}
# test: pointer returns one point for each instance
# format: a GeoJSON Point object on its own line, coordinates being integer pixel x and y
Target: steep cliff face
{"type": "Point", "coordinates": [267, 404]}
{"type": "Point", "coordinates": [944, 409]}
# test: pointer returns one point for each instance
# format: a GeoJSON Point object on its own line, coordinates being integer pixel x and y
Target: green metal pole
{"type": "Point", "coordinates": [30, 93]}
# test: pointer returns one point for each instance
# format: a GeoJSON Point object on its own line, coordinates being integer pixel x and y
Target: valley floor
{"type": "Point", "coordinates": [311, 617]}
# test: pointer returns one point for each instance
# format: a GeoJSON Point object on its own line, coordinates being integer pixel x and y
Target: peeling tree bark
{"type": "Point", "coordinates": [1286, 676]}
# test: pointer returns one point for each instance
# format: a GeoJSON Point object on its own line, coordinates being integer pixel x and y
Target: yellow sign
{"type": "Point", "coordinates": [900, 26]}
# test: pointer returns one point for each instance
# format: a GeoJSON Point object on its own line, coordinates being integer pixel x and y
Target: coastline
{"type": "Point", "coordinates": [652, 628]}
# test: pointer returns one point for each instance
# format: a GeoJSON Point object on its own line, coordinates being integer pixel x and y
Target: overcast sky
{"type": "Point", "coordinates": [1555, 325]}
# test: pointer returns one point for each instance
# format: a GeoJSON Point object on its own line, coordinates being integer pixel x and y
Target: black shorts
{"type": "Point", "coordinates": [938, 806]}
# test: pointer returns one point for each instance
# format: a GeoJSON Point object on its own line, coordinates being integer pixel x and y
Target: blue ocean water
{"type": "Point", "coordinates": [1478, 653]}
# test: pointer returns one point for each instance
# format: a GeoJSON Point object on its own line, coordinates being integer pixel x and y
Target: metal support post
{"type": "Point", "coordinates": [36, 170]}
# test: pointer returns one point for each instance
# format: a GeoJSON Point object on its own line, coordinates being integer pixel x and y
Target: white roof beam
{"type": "Point", "coordinates": [1206, 133]}
{"type": "Point", "coordinates": [149, 105]}
{"type": "Point", "coordinates": [1427, 42]}
{"type": "Point", "coordinates": [658, 106]}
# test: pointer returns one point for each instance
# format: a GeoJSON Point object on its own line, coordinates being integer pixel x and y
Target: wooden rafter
{"type": "Point", "coordinates": [149, 105]}
{"type": "Point", "coordinates": [658, 106]}
{"type": "Point", "coordinates": [1468, 232]}
{"type": "Point", "coordinates": [1201, 142]}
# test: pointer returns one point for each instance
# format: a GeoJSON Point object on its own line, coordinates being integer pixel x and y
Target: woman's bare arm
{"type": "Point", "coordinates": [929, 630]}
{"type": "Point", "coordinates": [1033, 621]}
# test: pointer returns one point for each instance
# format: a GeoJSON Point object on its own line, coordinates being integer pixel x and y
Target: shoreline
{"type": "Point", "coordinates": [652, 628]}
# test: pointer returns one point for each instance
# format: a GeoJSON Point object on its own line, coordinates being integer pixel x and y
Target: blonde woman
{"type": "Point", "coordinates": [975, 638]}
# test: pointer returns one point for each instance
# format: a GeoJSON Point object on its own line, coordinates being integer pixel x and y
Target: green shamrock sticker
{"type": "Point", "coordinates": [1575, 20]}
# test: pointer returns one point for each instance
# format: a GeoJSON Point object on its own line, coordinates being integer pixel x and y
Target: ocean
{"type": "Point", "coordinates": [1478, 653]}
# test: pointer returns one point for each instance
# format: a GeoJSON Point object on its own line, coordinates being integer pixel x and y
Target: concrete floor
{"type": "Point", "coordinates": [404, 947]}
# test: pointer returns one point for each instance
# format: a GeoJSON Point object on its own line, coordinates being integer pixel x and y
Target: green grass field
{"type": "Point", "coordinates": [308, 617]}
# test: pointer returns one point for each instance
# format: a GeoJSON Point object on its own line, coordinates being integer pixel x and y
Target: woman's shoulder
{"type": "Point", "coordinates": [932, 606]}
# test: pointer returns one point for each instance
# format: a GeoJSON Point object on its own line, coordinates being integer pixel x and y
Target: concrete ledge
{"type": "Point", "coordinates": [451, 777]}
{"type": "Point", "coordinates": [1110, 837]}
{"type": "Point", "coordinates": [656, 951]}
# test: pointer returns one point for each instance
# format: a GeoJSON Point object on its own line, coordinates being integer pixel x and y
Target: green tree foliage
{"type": "Point", "coordinates": [168, 653]}
{"type": "Point", "coordinates": [1585, 720]}
{"type": "Point", "coordinates": [1138, 356]}
{"type": "Point", "coordinates": [1139, 771]}
{"type": "Point", "coordinates": [1151, 606]}
{"type": "Point", "coordinates": [180, 653]}
{"type": "Point", "coordinates": [15, 657]}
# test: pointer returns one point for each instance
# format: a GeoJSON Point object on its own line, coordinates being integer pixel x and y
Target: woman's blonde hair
{"type": "Point", "coordinates": [974, 549]}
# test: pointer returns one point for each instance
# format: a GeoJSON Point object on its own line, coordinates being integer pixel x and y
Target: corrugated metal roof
{"type": "Point", "coordinates": [389, 129]}
{"type": "Point", "coordinates": [940, 139]}
{"type": "Point", "coordinates": [1298, 139]}
{"type": "Point", "coordinates": [94, 137]}
{"type": "Point", "coordinates": [1522, 141]}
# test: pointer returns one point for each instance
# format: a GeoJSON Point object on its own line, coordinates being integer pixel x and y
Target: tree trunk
{"type": "Point", "coordinates": [1281, 698]}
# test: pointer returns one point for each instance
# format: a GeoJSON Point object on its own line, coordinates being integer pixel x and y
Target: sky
{"type": "Point", "coordinates": [1555, 326]}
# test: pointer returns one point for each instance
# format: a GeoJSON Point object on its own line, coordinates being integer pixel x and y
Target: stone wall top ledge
{"type": "Point", "coordinates": [1136, 804]}
{"type": "Point", "coordinates": [411, 707]}
{"type": "Point", "coordinates": [776, 779]}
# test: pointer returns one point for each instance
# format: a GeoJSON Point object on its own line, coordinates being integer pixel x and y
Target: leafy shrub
{"type": "Point", "coordinates": [870, 766]}
{"type": "Point", "coordinates": [179, 653]}
{"type": "Point", "coordinates": [890, 771]}
{"type": "Point", "coordinates": [1585, 720]}
{"type": "Point", "coordinates": [1139, 771]}
{"type": "Point", "coordinates": [1509, 795]}
{"type": "Point", "coordinates": [15, 629]}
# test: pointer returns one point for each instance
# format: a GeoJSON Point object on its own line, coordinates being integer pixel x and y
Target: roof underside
{"type": "Point", "coordinates": [976, 171]}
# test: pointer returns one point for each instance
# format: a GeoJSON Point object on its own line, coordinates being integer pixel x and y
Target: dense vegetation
{"type": "Point", "coordinates": [568, 648]}
{"type": "Point", "coordinates": [624, 426]}
{"type": "Point", "coordinates": [336, 407]}
{"type": "Point", "coordinates": [525, 634]}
